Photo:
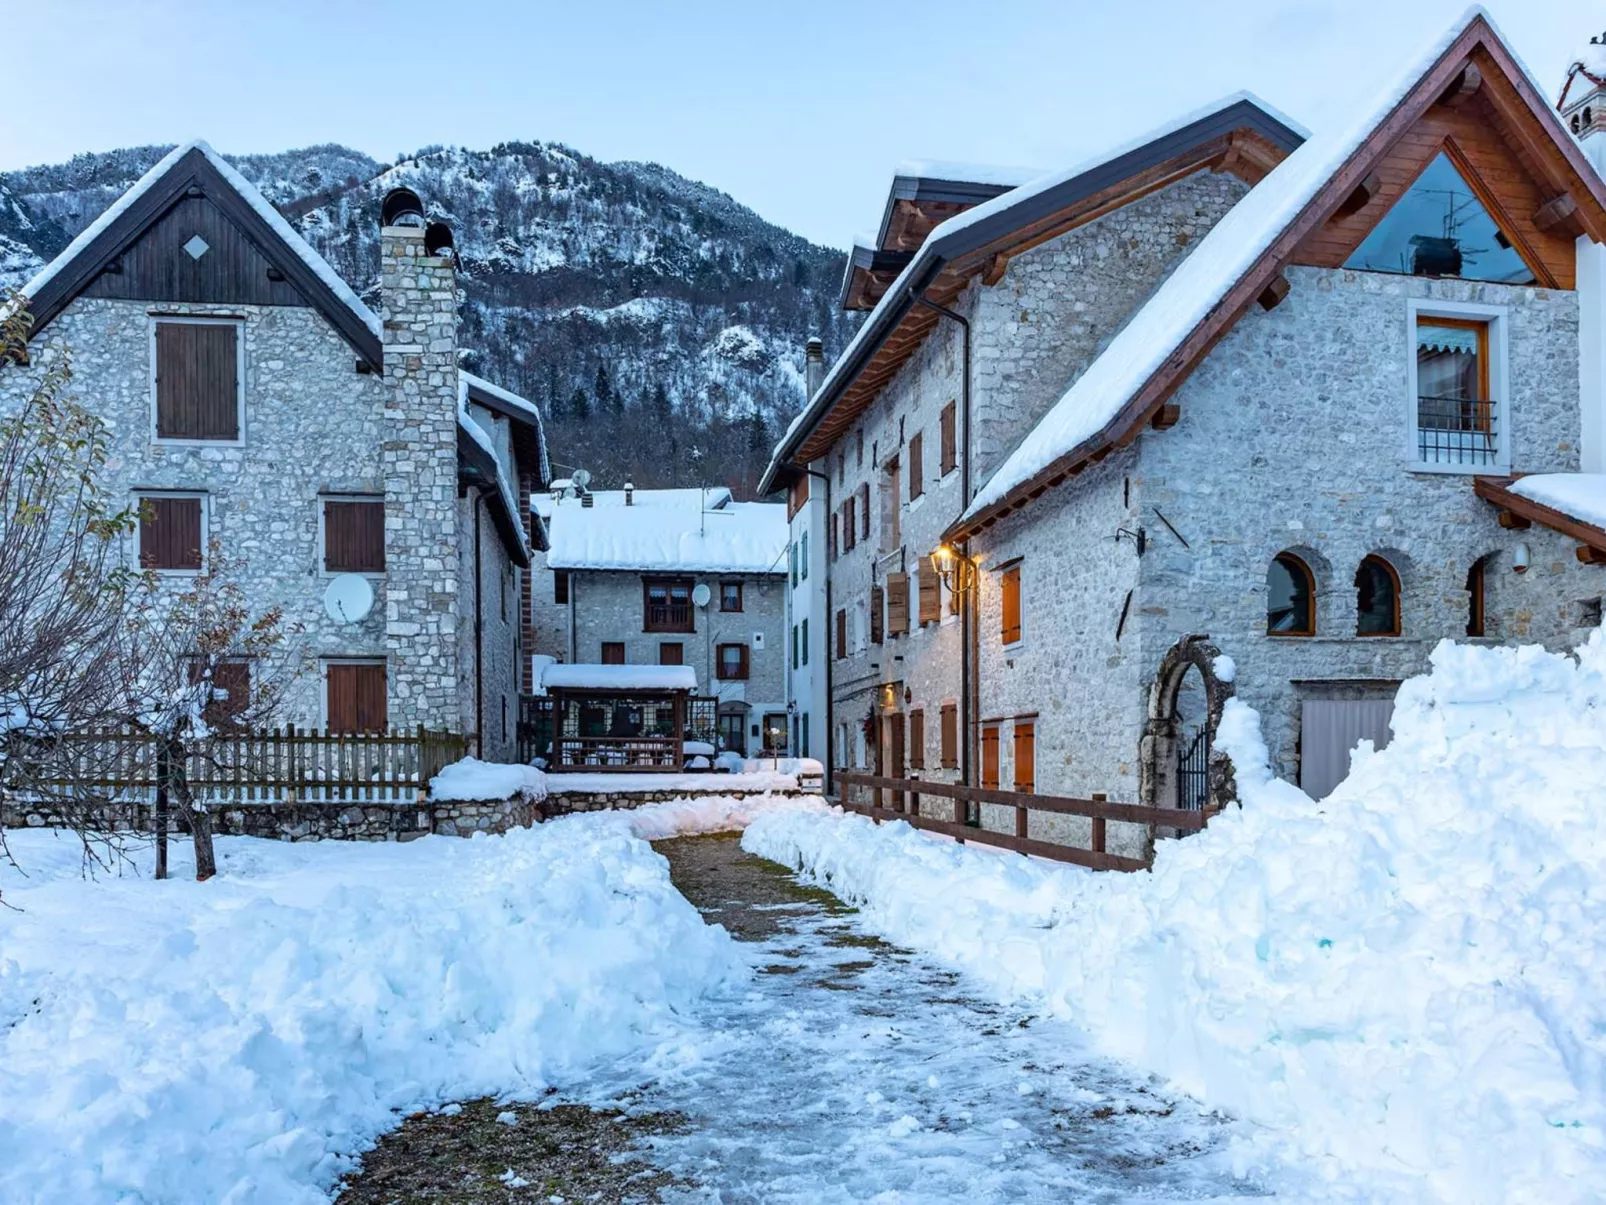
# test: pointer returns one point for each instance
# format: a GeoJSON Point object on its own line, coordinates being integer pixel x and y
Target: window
{"type": "Point", "coordinates": [354, 696]}
{"type": "Point", "coordinates": [730, 596]}
{"type": "Point", "coordinates": [668, 606]}
{"type": "Point", "coordinates": [731, 662]}
{"type": "Point", "coordinates": [850, 524]}
{"type": "Point", "coordinates": [671, 652]}
{"type": "Point", "coordinates": [841, 633]}
{"type": "Point", "coordinates": [613, 652]}
{"type": "Point", "coordinates": [917, 466]}
{"type": "Point", "coordinates": [803, 745]}
{"type": "Point", "coordinates": [1009, 607]}
{"type": "Point", "coordinates": [791, 563]}
{"type": "Point", "coordinates": [197, 380]}
{"type": "Point", "coordinates": [805, 640]}
{"type": "Point", "coordinates": [1475, 597]}
{"type": "Point", "coordinates": [560, 588]}
{"type": "Point", "coordinates": [1290, 597]}
{"type": "Point", "coordinates": [950, 457]}
{"type": "Point", "coordinates": [353, 535]}
{"type": "Point", "coordinates": [948, 736]}
{"type": "Point", "coordinates": [1025, 756]}
{"type": "Point", "coordinates": [775, 732]}
{"type": "Point", "coordinates": [172, 532]}
{"type": "Point", "coordinates": [794, 646]}
{"type": "Point", "coordinates": [864, 511]}
{"type": "Point", "coordinates": [917, 739]}
{"type": "Point", "coordinates": [1439, 227]}
{"type": "Point", "coordinates": [1455, 409]}
{"type": "Point", "coordinates": [989, 757]}
{"type": "Point", "coordinates": [1377, 598]}
{"type": "Point", "coordinates": [803, 559]}
{"type": "Point", "coordinates": [231, 691]}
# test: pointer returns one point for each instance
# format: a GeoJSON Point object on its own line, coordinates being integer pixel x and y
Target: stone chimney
{"type": "Point", "coordinates": [1583, 111]}
{"type": "Point", "coordinates": [814, 365]}
{"type": "Point", "coordinates": [418, 298]}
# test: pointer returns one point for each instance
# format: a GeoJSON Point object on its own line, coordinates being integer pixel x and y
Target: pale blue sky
{"type": "Point", "coordinates": [798, 110]}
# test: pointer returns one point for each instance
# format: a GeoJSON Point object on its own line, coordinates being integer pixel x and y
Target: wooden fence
{"type": "Point", "coordinates": [903, 796]}
{"type": "Point", "coordinates": [289, 765]}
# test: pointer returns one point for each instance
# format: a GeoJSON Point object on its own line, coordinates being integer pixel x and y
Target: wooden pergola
{"type": "Point", "coordinates": [629, 718]}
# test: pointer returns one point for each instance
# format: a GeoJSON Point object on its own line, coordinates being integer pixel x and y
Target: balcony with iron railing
{"type": "Point", "coordinates": [1457, 431]}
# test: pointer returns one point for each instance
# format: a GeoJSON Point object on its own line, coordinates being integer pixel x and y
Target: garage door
{"type": "Point", "coordinates": [1330, 730]}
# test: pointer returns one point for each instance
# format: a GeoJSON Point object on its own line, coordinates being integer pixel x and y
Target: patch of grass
{"type": "Point", "coordinates": [570, 1151]}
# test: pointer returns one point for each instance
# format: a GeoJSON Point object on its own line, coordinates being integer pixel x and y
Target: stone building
{"type": "Point", "coordinates": [1224, 410]}
{"type": "Point", "coordinates": [254, 404]}
{"type": "Point", "coordinates": [671, 577]}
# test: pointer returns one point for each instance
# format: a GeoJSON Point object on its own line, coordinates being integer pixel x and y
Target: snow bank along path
{"type": "Point", "coordinates": [1406, 984]}
{"type": "Point", "coordinates": [240, 1040]}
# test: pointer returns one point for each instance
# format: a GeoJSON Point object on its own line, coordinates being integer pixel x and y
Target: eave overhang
{"type": "Point", "coordinates": [1498, 493]}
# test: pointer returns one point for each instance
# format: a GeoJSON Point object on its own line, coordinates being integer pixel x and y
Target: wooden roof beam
{"type": "Point", "coordinates": [994, 272]}
{"type": "Point", "coordinates": [1272, 295]}
{"type": "Point", "coordinates": [1588, 555]}
{"type": "Point", "coordinates": [1363, 195]}
{"type": "Point", "coordinates": [1559, 216]}
{"type": "Point", "coordinates": [1463, 88]}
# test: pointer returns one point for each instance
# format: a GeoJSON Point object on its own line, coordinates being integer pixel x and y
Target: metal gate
{"type": "Point", "coordinates": [1193, 774]}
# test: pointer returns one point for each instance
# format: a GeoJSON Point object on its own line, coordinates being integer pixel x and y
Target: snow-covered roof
{"type": "Point", "coordinates": [619, 677]}
{"type": "Point", "coordinates": [871, 331]}
{"type": "Point", "coordinates": [969, 173]}
{"type": "Point", "coordinates": [1580, 496]}
{"type": "Point", "coordinates": [1198, 285]}
{"type": "Point", "coordinates": [666, 530]}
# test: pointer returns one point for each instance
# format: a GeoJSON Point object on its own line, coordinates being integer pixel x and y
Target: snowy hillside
{"type": "Point", "coordinates": [660, 322]}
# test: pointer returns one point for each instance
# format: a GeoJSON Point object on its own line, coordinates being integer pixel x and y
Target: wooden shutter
{"type": "Point", "coordinates": [989, 757]}
{"type": "Point", "coordinates": [170, 533]}
{"type": "Point", "coordinates": [949, 446]}
{"type": "Point", "coordinates": [841, 633]}
{"type": "Point", "coordinates": [742, 673]}
{"type": "Point", "coordinates": [1025, 756]}
{"type": "Point", "coordinates": [917, 466]}
{"type": "Point", "coordinates": [930, 592]}
{"type": "Point", "coordinates": [1010, 607]}
{"type": "Point", "coordinates": [948, 737]}
{"type": "Point", "coordinates": [671, 652]}
{"type": "Point", "coordinates": [353, 537]}
{"type": "Point", "coordinates": [864, 511]}
{"type": "Point", "coordinates": [231, 690]}
{"type": "Point", "coordinates": [850, 524]}
{"type": "Point", "coordinates": [560, 588]}
{"type": "Point", "coordinates": [917, 739]}
{"type": "Point", "coordinates": [897, 604]}
{"type": "Point", "coordinates": [877, 606]}
{"type": "Point", "coordinates": [197, 380]}
{"type": "Point", "coordinates": [613, 652]}
{"type": "Point", "coordinates": [833, 543]}
{"type": "Point", "coordinates": [356, 697]}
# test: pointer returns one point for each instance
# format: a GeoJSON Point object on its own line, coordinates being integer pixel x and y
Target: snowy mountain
{"type": "Point", "coordinates": [660, 323]}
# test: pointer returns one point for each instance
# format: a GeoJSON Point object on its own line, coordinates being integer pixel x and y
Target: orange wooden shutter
{"type": "Point", "coordinates": [948, 737]}
{"type": "Point", "coordinates": [1011, 605]}
{"type": "Point", "coordinates": [917, 739]}
{"type": "Point", "coordinates": [354, 537]}
{"type": "Point", "coordinates": [1025, 756]}
{"type": "Point", "coordinates": [917, 466]}
{"type": "Point", "coordinates": [930, 592]}
{"type": "Point", "coordinates": [989, 757]}
{"type": "Point", "coordinates": [877, 607]}
{"type": "Point", "coordinates": [948, 442]}
{"type": "Point", "coordinates": [356, 698]}
{"type": "Point", "coordinates": [897, 603]}
{"type": "Point", "coordinates": [841, 634]}
{"type": "Point", "coordinates": [197, 381]}
{"type": "Point", "coordinates": [864, 507]}
{"type": "Point", "coordinates": [170, 533]}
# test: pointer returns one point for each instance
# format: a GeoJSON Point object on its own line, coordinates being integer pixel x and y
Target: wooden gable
{"type": "Point", "coordinates": [230, 270]}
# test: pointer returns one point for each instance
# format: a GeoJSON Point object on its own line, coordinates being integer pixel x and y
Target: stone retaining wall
{"type": "Point", "coordinates": [562, 803]}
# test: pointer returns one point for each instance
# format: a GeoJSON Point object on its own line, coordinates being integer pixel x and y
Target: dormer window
{"type": "Point", "coordinates": [1439, 227]}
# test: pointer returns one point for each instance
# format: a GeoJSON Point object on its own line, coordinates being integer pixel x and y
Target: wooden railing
{"type": "Point", "coordinates": [617, 753]}
{"type": "Point", "coordinates": [288, 765]}
{"type": "Point", "coordinates": [903, 794]}
{"type": "Point", "coordinates": [669, 617]}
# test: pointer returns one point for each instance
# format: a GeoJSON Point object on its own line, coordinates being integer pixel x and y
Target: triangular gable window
{"type": "Point", "coordinates": [1440, 228]}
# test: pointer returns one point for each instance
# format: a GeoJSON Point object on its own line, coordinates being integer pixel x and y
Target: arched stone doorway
{"type": "Point", "coordinates": [1186, 702]}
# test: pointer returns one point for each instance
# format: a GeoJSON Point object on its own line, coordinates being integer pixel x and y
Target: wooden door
{"type": "Point", "coordinates": [895, 757]}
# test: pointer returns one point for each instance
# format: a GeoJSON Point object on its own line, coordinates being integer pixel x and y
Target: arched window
{"type": "Point", "coordinates": [1290, 597]}
{"type": "Point", "coordinates": [1377, 598]}
{"type": "Point", "coordinates": [1475, 596]}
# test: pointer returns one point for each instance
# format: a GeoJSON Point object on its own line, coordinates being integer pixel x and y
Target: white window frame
{"type": "Point", "coordinates": [322, 562]}
{"type": "Point", "coordinates": [239, 380]}
{"type": "Point", "coordinates": [323, 683]}
{"type": "Point", "coordinates": [1498, 319]}
{"type": "Point", "coordinates": [205, 500]}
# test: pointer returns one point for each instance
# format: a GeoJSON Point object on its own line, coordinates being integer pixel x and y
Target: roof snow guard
{"type": "Point", "coordinates": [1246, 252]}
{"type": "Point", "coordinates": [1240, 134]}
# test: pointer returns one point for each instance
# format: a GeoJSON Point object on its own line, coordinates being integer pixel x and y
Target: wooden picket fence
{"type": "Point", "coordinates": [288, 765]}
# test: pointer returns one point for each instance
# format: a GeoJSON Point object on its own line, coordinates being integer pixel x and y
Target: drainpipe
{"type": "Point", "coordinates": [830, 659]}
{"type": "Point", "coordinates": [479, 636]}
{"type": "Point", "coordinates": [969, 678]}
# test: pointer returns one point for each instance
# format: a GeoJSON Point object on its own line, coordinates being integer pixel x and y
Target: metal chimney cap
{"type": "Point", "coordinates": [401, 207]}
{"type": "Point", "coordinates": [816, 346]}
{"type": "Point", "coordinates": [438, 239]}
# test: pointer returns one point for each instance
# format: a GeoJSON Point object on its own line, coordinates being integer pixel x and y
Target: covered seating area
{"type": "Point", "coordinates": [619, 717]}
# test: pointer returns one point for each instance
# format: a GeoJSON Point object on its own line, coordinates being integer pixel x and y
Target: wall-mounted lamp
{"type": "Point", "coordinates": [1519, 559]}
{"type": "Point", "coordinates": [957, 572]}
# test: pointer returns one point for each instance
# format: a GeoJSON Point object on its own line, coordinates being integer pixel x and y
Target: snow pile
{"type": "Point", "coordinates": [473, 779]}
{"type": "Point", "coordinates": [1405, 984]}
{"type": "Point", "coordinates": [240, 1040]}
{"type": "Point", "coordinates": [614, 782]}
{"type": "Point", "coordinates": [1580, 496]}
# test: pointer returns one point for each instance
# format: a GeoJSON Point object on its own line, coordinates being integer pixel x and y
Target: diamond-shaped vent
{"type": "Point", "coordinates": [196, 247]}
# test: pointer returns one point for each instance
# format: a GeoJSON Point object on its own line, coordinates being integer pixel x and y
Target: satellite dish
{"type": "Point", "coordinates": [581, 478]}
{"type": "Point", "coordinates": [349, 598]}
{"type": "Point", "coordinates": [701, 594]}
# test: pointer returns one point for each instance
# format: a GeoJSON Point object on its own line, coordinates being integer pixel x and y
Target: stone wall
{"type": "Point", "coordinates": [492, 603]}
{"type": "Point", "coordinates": [1292, 437]}
{"type": "Point", "coordinates": [563, 803]}
{"type": "Point", "coordinates": [419, 458]}
{"type": "Point", "coordinates": [312, 427]}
